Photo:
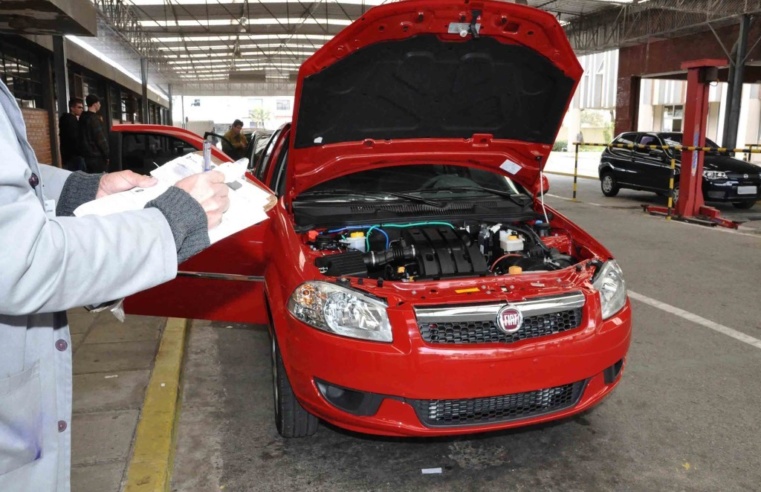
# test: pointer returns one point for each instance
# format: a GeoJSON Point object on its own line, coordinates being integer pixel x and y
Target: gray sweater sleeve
{"type": "Point", "coordinates": [79, 188]}
{"type": "Point", "coordinates": [185, 216]}
{"type": "Point", "coordinates": [186, 219]}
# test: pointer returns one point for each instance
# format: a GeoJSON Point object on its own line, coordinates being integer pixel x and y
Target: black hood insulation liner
{"type": "Point", "coordinates": [424, 87]}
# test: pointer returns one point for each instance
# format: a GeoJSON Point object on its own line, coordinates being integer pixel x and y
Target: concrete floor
{"type": "Point", "coordinates": [588, 191]}
{"type": "Point", "coordinates": [112, 366]}
{"type": "Point", "coordinates": [685, 416]}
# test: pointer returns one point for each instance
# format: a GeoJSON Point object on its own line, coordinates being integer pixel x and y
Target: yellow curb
{"type": "Point", "coordinates": [150, 469]}
{"type": "Point", "coordinates": [570, 174]}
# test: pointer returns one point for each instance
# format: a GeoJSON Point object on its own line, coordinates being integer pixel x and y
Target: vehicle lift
{"type": "Point", "coordinates": [691, 206]}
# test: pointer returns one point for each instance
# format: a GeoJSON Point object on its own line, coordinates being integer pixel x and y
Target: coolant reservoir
{"type": "Point", "coordinates": [355, 241]}
{"type": "Point", "coordinates": [509, 242]}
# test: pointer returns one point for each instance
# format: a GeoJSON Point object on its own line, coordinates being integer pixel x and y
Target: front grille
{"type": "Point", "coordinates": [470, 332]}
{"type": "Point", "coordinates": [495, 409]}
{"type": "Point", "coordinates": [752, 178]}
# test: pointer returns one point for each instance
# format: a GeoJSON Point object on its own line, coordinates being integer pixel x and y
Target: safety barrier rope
{"type": "Point", "coordinates": [750, 147]}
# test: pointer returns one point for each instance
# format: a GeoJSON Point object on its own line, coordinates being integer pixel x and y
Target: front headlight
{"type": "Point", "coordinates": [715, 175]}
{"type": "Point", "coordinates": [611, 285]}
{"type": "Point", "coordinates": [342, 311]}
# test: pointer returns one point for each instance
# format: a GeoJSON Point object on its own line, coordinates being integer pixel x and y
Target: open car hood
{"type": "Point", "coordinates": [488, 80]}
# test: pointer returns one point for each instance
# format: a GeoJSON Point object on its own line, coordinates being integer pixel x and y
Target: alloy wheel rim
{"type": "Point", "coordinates": [607, 184]}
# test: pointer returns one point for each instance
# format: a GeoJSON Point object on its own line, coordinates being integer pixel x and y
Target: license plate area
{"type": "Point", "coordinates": [747, 190]}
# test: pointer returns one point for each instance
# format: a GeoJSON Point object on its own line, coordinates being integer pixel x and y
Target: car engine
{"type": "Point", "coordinates": [436, 250]}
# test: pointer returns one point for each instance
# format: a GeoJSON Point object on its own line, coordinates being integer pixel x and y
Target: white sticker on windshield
{"type": "Point", "coordinates": [510, 167]}
{"type": "Point", "coordinates": [318, 140]}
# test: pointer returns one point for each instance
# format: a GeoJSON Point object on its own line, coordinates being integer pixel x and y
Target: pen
{"type": "Point", "coordinates": [207, 154]}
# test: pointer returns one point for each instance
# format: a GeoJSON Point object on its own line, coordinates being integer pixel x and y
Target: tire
{"type": "Point", "coordinates": [290, 417]}
{"type": "Point", "coordinates": [608, 184]}
{"type": "Point", "coordinates": [744, 205]}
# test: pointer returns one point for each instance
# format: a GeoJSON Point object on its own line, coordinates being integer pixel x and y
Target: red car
{"type": "Point", "coordinates": [413, 281]}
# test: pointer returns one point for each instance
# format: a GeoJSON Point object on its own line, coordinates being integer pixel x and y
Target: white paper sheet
{"type": "Point", "coordinates": [247, 201]}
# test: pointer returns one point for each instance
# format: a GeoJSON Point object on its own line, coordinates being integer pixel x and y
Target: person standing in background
{"type": "Point", "coordinates": [93, 139]}
{"type": "Point", "coordinates": [238, 141]}
{"type": "Point", "coordinates": [68, 131]}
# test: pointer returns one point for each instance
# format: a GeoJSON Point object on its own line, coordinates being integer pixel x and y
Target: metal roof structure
{"type": "Point", "coordinates": [228, 46]}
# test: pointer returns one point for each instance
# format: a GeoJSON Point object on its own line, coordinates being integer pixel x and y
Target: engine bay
{"type": "Point", "coordinates": [436, 250]}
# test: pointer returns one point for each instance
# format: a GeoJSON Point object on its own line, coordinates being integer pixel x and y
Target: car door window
{"type": "Point", "coordinates": [625, 139]}
{"type": "Point", "coordinates": [143, 152]}
{"type": "Point", "coordinates": [277, 183]}
{"type": "Point", "coordinates": [260, 168]}
{"type": "Point", "coordinates": [646, 153]}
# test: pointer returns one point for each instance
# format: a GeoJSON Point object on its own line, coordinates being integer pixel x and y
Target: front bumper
{"type": "Point", "coordinates": [730, 191]}
{"type": "Point", "coordinates": [411, 380]}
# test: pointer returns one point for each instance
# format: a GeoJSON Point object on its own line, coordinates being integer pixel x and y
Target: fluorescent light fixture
{"type": "Point", "coordinates": [191, 38]}
{"type": "Point", "coordinates": [214, 47]}
{"type": "Point", "coordinates": [369, 3]}
{"type": "Point", "coordinates": [97, 53]}
{"type": "Point", "coordinates": [235, 22]}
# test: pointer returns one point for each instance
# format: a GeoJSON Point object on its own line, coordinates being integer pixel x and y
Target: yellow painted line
{"type": "Point", "coordinates": [150, 469]}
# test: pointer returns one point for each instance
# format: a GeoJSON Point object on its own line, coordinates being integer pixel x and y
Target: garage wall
{"type": "Point", "coordinates": [38, 133]}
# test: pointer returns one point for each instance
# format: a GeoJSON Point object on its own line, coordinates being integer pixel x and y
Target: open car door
{"type": "Point", "coordinates": [225, 282]}
{"type": "Point", "coordinates": [222, 283]}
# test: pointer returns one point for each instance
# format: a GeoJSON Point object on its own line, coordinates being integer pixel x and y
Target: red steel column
{"type": "Point", "coordinates": [695, 121]}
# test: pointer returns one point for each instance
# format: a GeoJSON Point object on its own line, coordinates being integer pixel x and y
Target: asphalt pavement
{"type": "Point", "coordinates": [685, 416]}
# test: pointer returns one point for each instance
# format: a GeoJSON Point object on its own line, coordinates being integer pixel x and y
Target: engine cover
{"type": "Point", "coordinates": [442, 252]}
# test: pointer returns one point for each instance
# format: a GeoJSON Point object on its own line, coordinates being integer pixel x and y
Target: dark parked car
{"type": "Point", "coordinates": [725, 179]}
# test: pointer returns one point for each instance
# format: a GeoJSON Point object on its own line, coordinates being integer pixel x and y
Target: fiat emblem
{"type": "Point", "coordinates": [509, 319]}
{"type": "Point", "coordinates": [745, 176]}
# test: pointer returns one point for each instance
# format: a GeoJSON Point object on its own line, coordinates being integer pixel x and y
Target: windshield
{"type": "Point", "coordinates": [439, 182]}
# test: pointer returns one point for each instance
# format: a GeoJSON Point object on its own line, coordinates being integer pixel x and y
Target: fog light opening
{"type": "Point", "coordinates": [611, 373]}
{"type": "Point", "coordinates": [351, 401]}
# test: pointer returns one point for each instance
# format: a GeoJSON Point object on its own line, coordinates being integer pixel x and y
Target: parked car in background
{"type": "Point", "coordinates": [413, 281]}
{"type": "Point", "coordinates": [725, 179]}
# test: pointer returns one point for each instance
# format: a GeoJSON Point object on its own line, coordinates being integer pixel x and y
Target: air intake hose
{"type": "Point", "coordinates": [397, 253]}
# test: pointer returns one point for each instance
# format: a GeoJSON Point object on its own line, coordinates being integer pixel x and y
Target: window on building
{"type": "Point", "coordinates": [283, 104]}
{"type": "Point", "coordinates": [20, 70]}
{"type": "Point", "coordinates": [93, 85]}
{"type": "Point", "coordinates": [673, 118]}
{"type": "Point", "coordinates": [115, 101]}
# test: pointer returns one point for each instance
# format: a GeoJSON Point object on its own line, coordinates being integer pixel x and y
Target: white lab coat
{"type": "Point", "coordinates": [48, 265]}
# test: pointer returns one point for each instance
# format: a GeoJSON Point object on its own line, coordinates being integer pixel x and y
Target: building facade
{"type": "Point", "coordinates": [26, 67]}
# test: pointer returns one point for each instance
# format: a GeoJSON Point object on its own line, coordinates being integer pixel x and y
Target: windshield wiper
{"type": "Point", "coordinates": [403, 196]}
{"type": "Point", "coordinates": [506, 194]}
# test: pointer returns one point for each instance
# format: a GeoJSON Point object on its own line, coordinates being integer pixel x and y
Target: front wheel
{"type": "Point", "coordinates": [290, 417]}
{"type": "Point", "coordinates": [609, 185]}
{"type": "Point", "coordinates": [744, 205]}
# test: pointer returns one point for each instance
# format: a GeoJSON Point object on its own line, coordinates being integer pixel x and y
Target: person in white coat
{"type": "Point", "coordinates": [50, 262]}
